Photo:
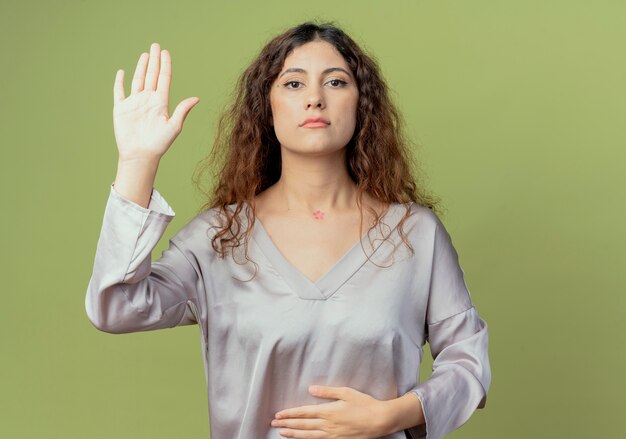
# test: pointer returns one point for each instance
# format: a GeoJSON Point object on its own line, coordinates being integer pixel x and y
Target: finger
{"type": "Point", "coordinates": [305, 411]}
{"type": "Point", "coordinates": [153, 67]}
{"type": "Point", "coordinates": [118, 87]}
{"type": "Point", "coordinates": [309, 434]}
{"type": "Point", "coordinates": [165, 75]}
{"type": "Point", "coordinates": [182, 110]}
{"type": "Point", "coordinates": [299, 423]}
{"type": "Point", "coordinates": [329, 392]}
{"type": "Point", "coordinates": [140, 74]}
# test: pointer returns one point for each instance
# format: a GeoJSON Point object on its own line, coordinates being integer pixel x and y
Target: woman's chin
{"type": "Point", "coordinates": [314, 149]}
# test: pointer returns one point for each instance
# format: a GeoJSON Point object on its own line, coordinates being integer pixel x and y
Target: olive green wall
{"type": "Point", "coordinates": [518, 109]}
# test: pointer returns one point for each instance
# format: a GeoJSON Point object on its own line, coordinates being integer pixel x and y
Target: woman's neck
{"type": "Point", "coordinates": [315, 183]}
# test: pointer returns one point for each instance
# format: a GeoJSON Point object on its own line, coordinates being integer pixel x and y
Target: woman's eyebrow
{"type": "Point", "coordinates": [328, 70]}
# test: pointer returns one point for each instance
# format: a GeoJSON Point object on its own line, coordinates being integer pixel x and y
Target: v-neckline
{"type": "Point", "coordinates": [339, 273]}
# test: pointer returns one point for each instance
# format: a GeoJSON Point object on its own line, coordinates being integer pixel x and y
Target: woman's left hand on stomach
{"type": "Point", "coordinates": [353, 415]}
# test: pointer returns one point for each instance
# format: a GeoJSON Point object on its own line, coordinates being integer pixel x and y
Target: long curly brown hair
{"type": "Point", "coordinates": [246, 155]}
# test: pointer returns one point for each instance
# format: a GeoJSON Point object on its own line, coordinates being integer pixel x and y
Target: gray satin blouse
{"type": "Point", "coordinates": [265, 340]}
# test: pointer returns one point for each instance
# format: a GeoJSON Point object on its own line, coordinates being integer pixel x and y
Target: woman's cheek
{"type": "Point", "coordinates": [284, 132]}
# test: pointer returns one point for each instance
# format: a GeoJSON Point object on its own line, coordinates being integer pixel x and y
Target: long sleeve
{"type": "Point", "coordinates": [458, 339]}
{"type": "Point", "coordinates": [128, 292]}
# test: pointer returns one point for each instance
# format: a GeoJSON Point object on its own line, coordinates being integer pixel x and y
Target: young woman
{"type": "Point", "coordinates": [312, 324]}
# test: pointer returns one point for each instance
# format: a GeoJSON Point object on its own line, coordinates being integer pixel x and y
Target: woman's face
{"type": "Point", "coordinates": [315, 82]}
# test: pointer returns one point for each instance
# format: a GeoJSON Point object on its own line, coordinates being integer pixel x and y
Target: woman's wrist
{"type": "Point", "coordinates": [402, 413]}
{"type": "Point", "coordinates": [135, 179]}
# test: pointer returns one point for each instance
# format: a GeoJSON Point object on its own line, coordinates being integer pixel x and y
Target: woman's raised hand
{"type": "Point", "coordinates": [141, 121]}
{"type": "Point", "coordinates": [143, 128]}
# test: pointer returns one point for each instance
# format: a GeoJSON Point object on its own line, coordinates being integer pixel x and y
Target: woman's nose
{"type": "Point", "coordinates": [315, 98]}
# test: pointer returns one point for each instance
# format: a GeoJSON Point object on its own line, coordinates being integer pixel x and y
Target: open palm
{"type": "Point", "coordinates": [142, 124]}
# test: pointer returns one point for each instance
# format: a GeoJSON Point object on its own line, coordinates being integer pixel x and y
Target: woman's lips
{"type": "Point", "coordinates": [315, 125]}
{"type": "Point", "coordinates": [315, 122]}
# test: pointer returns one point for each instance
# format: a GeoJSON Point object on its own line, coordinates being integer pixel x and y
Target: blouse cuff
{"type": "Point", "coordinates": [157, 204]}
{"type": "Point", "coordinates": [135, 230]}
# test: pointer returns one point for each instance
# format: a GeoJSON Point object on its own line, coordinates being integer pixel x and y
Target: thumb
{"type": "Point", "coordinates": [182, 110]}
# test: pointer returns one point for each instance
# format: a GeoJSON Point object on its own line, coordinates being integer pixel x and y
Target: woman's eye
{"type": "Point", "coordinates": [337, 83]}
{"type": "Point", "coordinates": [287, 84]}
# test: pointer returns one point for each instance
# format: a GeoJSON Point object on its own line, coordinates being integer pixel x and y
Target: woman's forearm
{"type": "Point", "coordinates": [403, 412]}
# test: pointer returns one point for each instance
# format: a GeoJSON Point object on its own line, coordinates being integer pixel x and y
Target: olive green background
{"type": "Point", "coordinates": [518, 113]}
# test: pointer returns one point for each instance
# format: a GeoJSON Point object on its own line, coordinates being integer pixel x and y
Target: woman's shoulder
{"type": "Point", "coordinates": [204, 225]}
{"type": "Point", "coordinates": [417, 213]}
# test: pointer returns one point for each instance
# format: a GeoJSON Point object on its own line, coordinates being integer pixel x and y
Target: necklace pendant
{"type": "Point", "coordinates": [318, 214]}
